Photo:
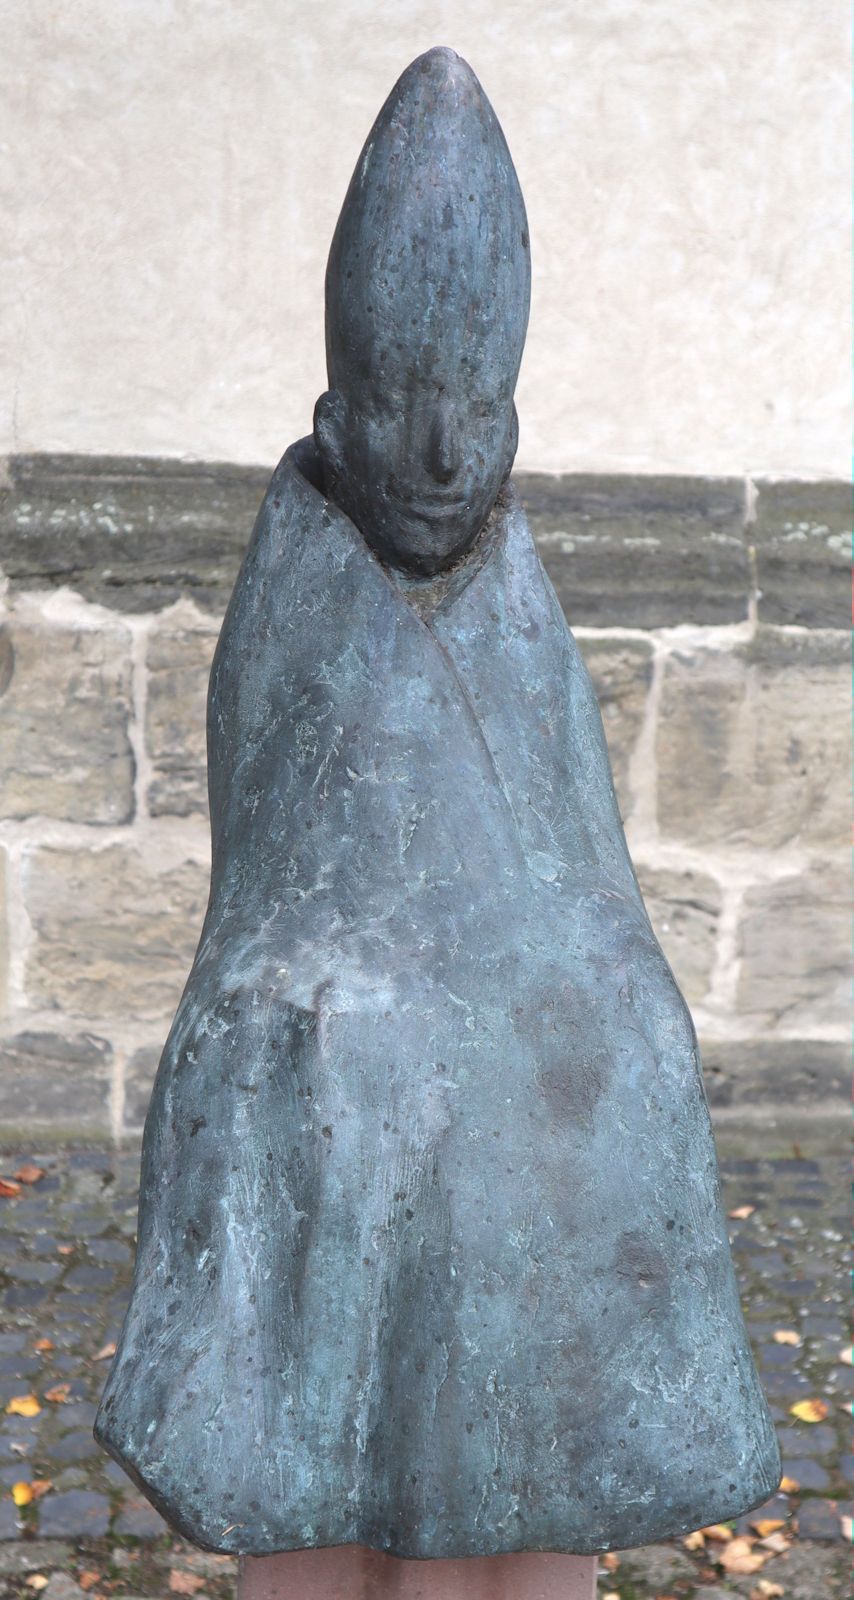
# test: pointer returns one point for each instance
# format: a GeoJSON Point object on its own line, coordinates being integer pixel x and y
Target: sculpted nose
{"type": "Point", "coordinates": [444, 450]}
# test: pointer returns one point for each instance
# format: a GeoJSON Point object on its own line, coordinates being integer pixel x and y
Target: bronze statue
{"type": "Point", "coordinates": [431, 1249]}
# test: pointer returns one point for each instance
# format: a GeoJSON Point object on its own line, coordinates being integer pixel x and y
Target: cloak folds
{"type": "Point", "coordinates": [431, 1250]}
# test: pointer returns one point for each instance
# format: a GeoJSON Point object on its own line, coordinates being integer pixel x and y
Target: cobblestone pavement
{"type": "Point", "coordinates": [66, 1250]}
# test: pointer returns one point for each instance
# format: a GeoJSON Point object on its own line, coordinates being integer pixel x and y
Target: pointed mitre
{"type": "Point", "coordinates": [429, 269]}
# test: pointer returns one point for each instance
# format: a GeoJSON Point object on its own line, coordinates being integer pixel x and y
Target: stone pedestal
{"type": "Point", "coordinates": [353, 1572]}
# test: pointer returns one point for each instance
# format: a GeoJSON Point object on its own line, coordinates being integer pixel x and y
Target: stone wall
{"type": "Point", "coordinates": [712, 616]}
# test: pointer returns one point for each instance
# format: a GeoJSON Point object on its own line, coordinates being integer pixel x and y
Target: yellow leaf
{"type": "Point", "coordinates": [741, 1213]}
{"type": "Point", "coordinates": [789, 1485]}
{"type": "Point", "coordinates": [611, 1561]}
{"type": "Point", "coordinates": [43, 1344]}
{"type": "Point", "coordinates": [36, 1580]}
{"type": "Point", "coordinates": [695, 1541]}
{"type": "Point", "coordinates": [22, 1494]}
{"type": "Point", "coordinates": [740, 1558]}
{"type": "Point", "coordinates": [809, 1410]}
{"type": "Point", "coordinates": [767, 1525]}
{"type": "Point", "coordinates": [777, 1543]}
{"type": "Point", "coordinates": [786, 1336]}
{"type": "Point", "coordinates": [23, 1405]}
{"type": "Point", "coordinates": [610, 1594]}
{"type": "Point", "coordinates": [719, 1531]}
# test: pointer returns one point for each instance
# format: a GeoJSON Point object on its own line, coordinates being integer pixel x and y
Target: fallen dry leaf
{"type": "Point", "coordinates": [36, 1580]}
{"type": "Point", "coordinates": [611, 1561]}
{"type": "Point", "coordinates": [766, 1525]}
{"type": "Point", "coordinates": [789, 1485]}
{"type": "Point", "coordinates": [28, 1173]}
{"type": "Point", "coordinates": [8, 1189]}
{"type": "Point", "coordinates": [59, 1395]}
{"type": "Point", "coordinates": [610, 1594]}
{"type": "Point", "coordinates": [846, 1356]}
{"type": "Point", "coordinates": [22, 1494]}
{"type": "Point", "coordinates": [64, 1249]}
{"type": "Point", "coordinates": [810, 1410]}
{"type": "Point", "coordinates": [786, 1336]}
{"type": "Point", "coordinates": [777, 1543]}
{"type": "Point", "coordinates": [185, 1582]}
{"type": "Point", "coordinates": [741, 1213]}
{"type": "Point", "coordinates": [695, 1541]}
{"type": "Point", "coordinates": [87, 1579]}
{"type": "Point", "coordinates": [766, 1590]}
{"type": "Point", "coordinates": [43, 1344]}
{"type": "Point", "coordinates": [23, 1405]}
{"type": "Point", "coordinates": [105, 1352]}
{"type": "Point", "coordinates": [720, 1531]}
{"type": "Point", "coordinates": [41, 1486]}
{"type": "Point", "coordinates": [740, 1558]}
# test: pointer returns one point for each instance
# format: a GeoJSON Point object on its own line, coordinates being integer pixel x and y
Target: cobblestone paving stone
{"type": "Point", "coordinates": [66, 1255]}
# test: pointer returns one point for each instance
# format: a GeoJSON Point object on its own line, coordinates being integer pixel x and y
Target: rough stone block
{"type": "Point", "coordinates": [753, 743]}
{"type": "Point", "coordinates": [32, 1556]}
{"type": "Point", "coordinates": [113, 935]}
{"type": "Point", "coordinates": [809, 1474]}
{"type": "Point", "coordinates": [179, 663]}
{"type": "Point", "coordinates": [56, 1083]}
{"type": "Point", "coordinates": [10, 1525]}
{"type": "Point", "coordinates": [65, 710]}
{"type": "Point", "coordinates": [795, 949]}
{"type": "Point", "coordinates": [140, 1520]}
{"type": "Point", "coordinates": [802, 539]}
{"type": "Point", "coordinates": [642, 552]}
{"type": "Point", "coordinates": [821, 1519]}
{"type": "Point", "coordinates": [136, 535]}
{"type": "Point", "coordinates": [621, 670]}
{"type": "Point", "coordinates": [683, 909]}
{"type": "Point", "coordinates": [76, 1514]}
{"type": "Point", "coordinates": [792, 1072]}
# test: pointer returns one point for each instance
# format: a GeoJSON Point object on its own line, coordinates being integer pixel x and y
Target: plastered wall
{"type": "Point", "coordinates": [170, 174]}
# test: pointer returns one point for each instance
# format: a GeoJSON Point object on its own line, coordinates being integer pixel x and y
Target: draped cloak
{"type": "Point", "coordinates": [431, 1249]}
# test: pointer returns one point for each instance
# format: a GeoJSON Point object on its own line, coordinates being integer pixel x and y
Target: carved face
{"type": "Point", "coordinates": [427, 293]}
{"type": "Point", "coordinates": [417, 468]}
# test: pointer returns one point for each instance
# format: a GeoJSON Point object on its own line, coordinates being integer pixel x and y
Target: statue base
{"type": "Point", "coordinates": [354, 1572]}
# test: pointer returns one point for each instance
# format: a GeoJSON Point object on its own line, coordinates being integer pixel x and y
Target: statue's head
{"type": "Point", "coordinates": [427, 293]}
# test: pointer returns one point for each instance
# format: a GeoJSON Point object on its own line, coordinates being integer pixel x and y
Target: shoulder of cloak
{"type": "Point", "coordinates": [347, 771]}
{"type": "Point", "coordinates": [511, 646]}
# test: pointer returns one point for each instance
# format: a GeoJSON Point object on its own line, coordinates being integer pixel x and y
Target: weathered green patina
{"type": "Point", "coordinates": [431, 1252]}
